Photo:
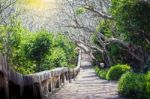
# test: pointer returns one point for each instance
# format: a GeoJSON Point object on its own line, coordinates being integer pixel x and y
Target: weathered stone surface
{"type": "Point", "coordinates": [88, 85]}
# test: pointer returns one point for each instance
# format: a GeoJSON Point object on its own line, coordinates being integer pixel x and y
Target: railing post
{"type": "Point", "coordinates": [59, 80]}
{"type": "Point", "coordinates": [64, 79]}
{"type": "Point", "coordinates": [45, 89]}
{"type": "Point", "coordinates": [69, 74]}
{"type": "Point", "coordinates": [51, 84]}
{"type": "Point", "coordinates": [73, 74]}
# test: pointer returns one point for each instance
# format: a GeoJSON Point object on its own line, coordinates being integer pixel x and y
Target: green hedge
{"type": "Point", "coordinates": [132, 85]}
{"type": "Point", "coordinates": [116, 71]}
{"type": "Point", "coordinates": [101, 72]}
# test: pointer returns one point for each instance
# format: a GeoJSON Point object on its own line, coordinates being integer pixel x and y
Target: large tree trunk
{"type": "Point", "coordinates": [107, 59]}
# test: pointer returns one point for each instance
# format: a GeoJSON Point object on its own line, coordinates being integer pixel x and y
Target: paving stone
{"type": "Point", "coordinates": [88, 85]}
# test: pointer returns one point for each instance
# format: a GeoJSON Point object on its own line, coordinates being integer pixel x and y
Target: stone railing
{"type": "Point", "coordinates": [34, 86]}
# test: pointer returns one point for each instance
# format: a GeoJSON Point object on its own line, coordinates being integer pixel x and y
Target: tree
{"type": "Point", "coordinates": [133, 22]}
{"type": "Point", "coordinates": [37, 48]}
{"type": "Point", "coordinates": [126, 24]}
{"type": "Point", "coordinates": [81, 18]}
{"type": "Point", "coordinates": [9, 26]}
{"type": "Point", "coordinates": [7, 10]}
{"type": "Point", "coordinates": [62, 52]}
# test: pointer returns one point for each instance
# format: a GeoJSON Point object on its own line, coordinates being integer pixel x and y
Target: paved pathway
{"type": "Point", "coordinates": [88, 85]}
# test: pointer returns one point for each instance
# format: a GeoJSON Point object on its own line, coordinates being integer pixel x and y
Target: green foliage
{"type": "Point", "coordinates": [132, 85]}
{"type": "Point", "coordinates": [94, 39]}
{"type": "Point", "coordinates": [116, 71]}
{"type": "Point", "coordinates": [147, 85]}
{"type": "Point", "coordinates": [119, 54]}
{"type": "Point", "coordinates": [58, 59]}
{"type": "Point", "coordinates": [2, 36]}
{"type": "Point", "coordinates": [12, 38]}
{"type": "Point", "coordinates": [67, 46]}
{"type": "Point", "coordinates": [58, 50]}
{"type": "Point", "coordinates": [101, 72]}
{"type": "Point", "coordinates": [30, 52]}
{"type": "Point", "coordinates": [116, 53]}
{"type": "Point", "coordinates": [133, 20]}
{"type": "Point", "coordinates": [98, 57]}
{"type": "Point", "coordinates": [105, 27]}
{"type": "Point", "coordinates": [80, 11]}
{"type": "Point", "coordinates": [38, 47]}
{"type": "Point", "coordinates": [131, 24]}
{"type": "Point", "coordinates": [113, 49]}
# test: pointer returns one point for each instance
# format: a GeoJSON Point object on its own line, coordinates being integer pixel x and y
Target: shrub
{"type": "Point", "coordinates": [116, 71]}
{"type": "Point", "coordinates": [30, 52]}
{"type": "Point", "coordinates": [101, 72]}
{"type": "Point", "coordinates": [37, 48]}
{"type": "Point", "coordinates": [132, 85]}
{"type": "Point", "coordinates": [147, 76]}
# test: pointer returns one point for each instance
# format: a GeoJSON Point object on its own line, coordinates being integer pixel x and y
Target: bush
{"type": "Point", "coordinates": [116, 71]}
{"type": "Point", "coordinates": [101, 72]}
{"type": "Point", "coordinates": [30, 52]}
{"type": "Point", "coordinates": [38, 47]}
{"type": "Point", "coordinates": [132, 85]}
{"type": "Point", "coordinates": [147, 76]}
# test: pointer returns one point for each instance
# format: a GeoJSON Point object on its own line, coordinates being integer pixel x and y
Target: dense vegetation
{"type": "Point", "coordinates": [127, 35]}
{"type": "Point", "coordinates": [132, 85]}
{"type": "Point", "coordinates": [101, 72]}
{"type": "Point", "coordinates": [116, 71]}
{"type": "Point", "coordinates": [30, 52]}
{"type": "Point", "coordinates": [127, 38]}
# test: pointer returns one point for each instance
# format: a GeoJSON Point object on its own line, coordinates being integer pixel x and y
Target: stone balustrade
{"type": "Point", "coordinates": [34, 86]}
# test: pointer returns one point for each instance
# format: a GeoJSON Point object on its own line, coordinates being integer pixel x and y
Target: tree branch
{"type": "Point", "coordinates": [98, 13]}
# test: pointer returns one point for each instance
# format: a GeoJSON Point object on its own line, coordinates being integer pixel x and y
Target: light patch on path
{"type": "Point", "coordinates": [88, 85]}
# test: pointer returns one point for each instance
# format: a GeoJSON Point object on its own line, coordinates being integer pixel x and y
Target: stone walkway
{"type": "Point", "coordinates": [88, 85]}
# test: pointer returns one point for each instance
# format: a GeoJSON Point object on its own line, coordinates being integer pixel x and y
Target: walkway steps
{"type": "Point", "coordinates": [88, 85]}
